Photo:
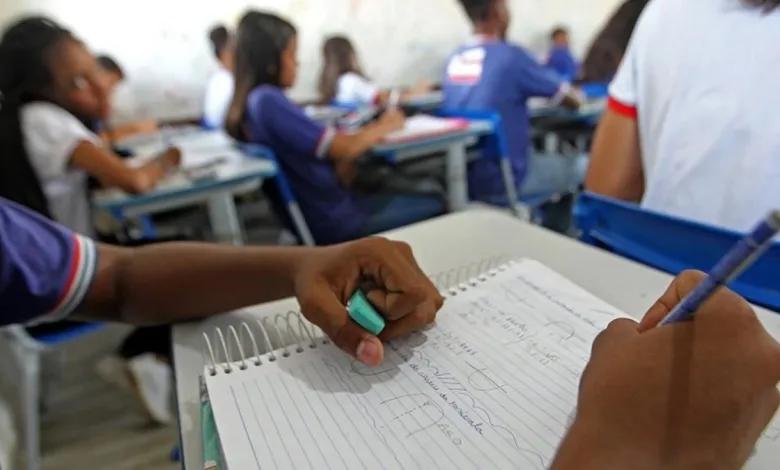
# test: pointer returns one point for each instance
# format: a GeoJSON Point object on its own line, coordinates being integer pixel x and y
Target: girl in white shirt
{"type": "Point", "coordinates": [343, 82]}
{"type": "Point", "coordinates": [52, 92]}
{"type": "Point", "coordinates": [219, 91]}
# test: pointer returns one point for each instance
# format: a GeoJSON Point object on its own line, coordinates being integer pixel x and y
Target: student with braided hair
{"type": "Point", "coordinates": [52, 94]}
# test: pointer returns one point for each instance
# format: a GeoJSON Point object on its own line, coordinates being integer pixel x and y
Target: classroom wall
{"type": "Point", "coordinates": [162, 44]}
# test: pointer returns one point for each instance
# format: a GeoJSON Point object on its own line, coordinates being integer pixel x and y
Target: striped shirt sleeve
{"type": "Point", "coordinates": [46, 270]}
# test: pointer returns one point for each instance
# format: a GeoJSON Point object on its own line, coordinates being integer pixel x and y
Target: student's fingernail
{"type": "Point", "coordinates": [367, 352]}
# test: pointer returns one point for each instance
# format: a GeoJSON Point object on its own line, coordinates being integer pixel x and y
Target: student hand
{"type": "Point", "coordinates": [392, 119]}
{"type": "Point", "coordinates": [388, 274]}
{"type": "Point", "coordinates": [171, 158]}
{"type": "Point", "coordinates": [690, 395]}
{"type": "Point", "coordinates": [147, 126]}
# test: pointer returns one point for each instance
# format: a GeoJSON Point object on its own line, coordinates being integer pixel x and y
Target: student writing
{"type": "Point", "coordinates": [560, 59]}
{"type": "Point", "coordinates": [319, 161]}
{"type": "Point", "coordinates": [732, 369]}
{"type": "Point", "coordinates": [53, 90]}
{"type": "Point", "coordinates": [219, 90]}
{"type": "Point", "coordinates": [342, 79]}
{"type": "Point", "coordinates": [490, 74]}
{"type": "Point", "coordinates": [700, 145]}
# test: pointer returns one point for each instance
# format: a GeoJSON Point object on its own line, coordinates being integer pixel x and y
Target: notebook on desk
{"type": "Point", "coordinates": [423, 125]}
{"type": "Point", "coordinates": [492, 385]}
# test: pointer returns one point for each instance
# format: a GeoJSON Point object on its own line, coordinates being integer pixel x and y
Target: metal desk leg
{"type": "Point", "coordinates": [223, 217]}
{"type": "Point", "coordinates": [457, 178]}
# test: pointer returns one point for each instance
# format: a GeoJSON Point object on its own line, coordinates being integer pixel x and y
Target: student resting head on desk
{"type": "Point", "coordinates": [219, 90]}
{"type": "Point", "coordinates": [700, 145]}
{"type": "Point", "coordinates": [342, 80]}
{"type": "Point", "coordinates": [52, 90]}
{"type": "Point", "coordinates": [490, 74]}
{"type": "Point", "coordinates": [608, 47]}
{"type": "Point", "coordinates": [118, 97]}
{"type": "Point", "coordinates": [560, 58]}
{"type": "Point", "coordinates": [319, 162]}
{"type": "Point", "coordinates": [629, 390]}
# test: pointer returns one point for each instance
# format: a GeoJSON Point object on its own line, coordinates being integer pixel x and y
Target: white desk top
{"type": "Point", "coordinates": [186, 139]}
{"type": "Point", "coordinates": [447, 243]}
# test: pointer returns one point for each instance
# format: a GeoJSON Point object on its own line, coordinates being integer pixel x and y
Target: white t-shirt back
{"type": "Point", "coordinates": [354, 89]}
{"type": "Point", "coordinates": [50, 136]}
{"type": "Point", "coordinates": [700, 77]}
{"type": "Point", "coordinates": [219, 93]}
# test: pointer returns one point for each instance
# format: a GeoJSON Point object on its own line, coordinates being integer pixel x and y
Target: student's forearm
{"type": "Point", "coordinates": [585, 447]}
{"type": "Point", "coordinates": [169, 283]}
{"type": "Point", "coordinates": [351, 147]}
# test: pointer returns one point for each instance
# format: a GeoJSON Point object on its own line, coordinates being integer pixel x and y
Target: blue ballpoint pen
{"type": "Point", "coordinates": [736, 260]}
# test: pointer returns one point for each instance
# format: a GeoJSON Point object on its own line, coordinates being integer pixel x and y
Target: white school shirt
{"type": "Point", "coordinates": [51, 134]}
{"type": "Point", "coordinates": [354, 89]}
{"type": "Point", "coordinates": [219, 93]}
{"type": "Point", "coordinates": [700, 76]}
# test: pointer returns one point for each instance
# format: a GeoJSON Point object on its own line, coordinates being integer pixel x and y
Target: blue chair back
{"type": "Point", "coordinates": [280, 195]}
{"type": "Point", "coordinates": [673, 245]}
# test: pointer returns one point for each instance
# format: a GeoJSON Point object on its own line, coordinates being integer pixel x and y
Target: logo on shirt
{"type": "Point", "coordinates": [466, 67]}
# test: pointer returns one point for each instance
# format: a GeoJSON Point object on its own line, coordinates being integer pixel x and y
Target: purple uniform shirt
{"type": "Point", "coordinates": [301, 145]}
{"type": "Point", "coordinates": [492, 75]}
{"type": "Point", "coordinates": [45, 269]}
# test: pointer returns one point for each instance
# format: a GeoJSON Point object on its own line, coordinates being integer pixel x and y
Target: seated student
{"type": "Point", "coordinates": [114, 76]}
{"type": "Point", "coordinates": [219, 90]}
{"type": "Point", "coordinates": [732, 373]}
{"type": "Point", "coordinates": [608, 47]}
{"type": "Point", "coordinates": [319, 162]}
{"type": "Point", "coordinates": [560, 58]}
{"type": "Point", "coordinates": [51, 86]}
{"type": "Point", "coordinates": [490, 74]}
{"type": "Point", "coordinates": [700, 145]}
{"type": "Point", "coordinates": [342, 81]}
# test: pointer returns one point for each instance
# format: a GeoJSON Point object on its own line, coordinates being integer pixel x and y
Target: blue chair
{"type": "Point", "coordinates": [673, 245]}
{"type": "Point", "coordinates": [493, 145]}
{"type": "Point", "coordinates": [280, 195]}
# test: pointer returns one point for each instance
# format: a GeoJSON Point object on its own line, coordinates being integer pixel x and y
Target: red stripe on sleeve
{"type": "Point", "coordinates": [74, 268]}
{"type": "Point", "coordinates": [621, 108]}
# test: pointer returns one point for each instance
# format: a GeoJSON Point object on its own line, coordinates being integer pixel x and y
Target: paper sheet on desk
{"type": "Point", "coordinates": [208, 156]}
{"type": "Point", "coordinates": [423, 125]}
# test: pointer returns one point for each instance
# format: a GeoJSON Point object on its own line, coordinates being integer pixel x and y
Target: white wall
{"type": "Point", "coordinates": [163, 47]}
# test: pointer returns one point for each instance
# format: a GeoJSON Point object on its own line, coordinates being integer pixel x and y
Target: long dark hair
{"type": "Point", "coordinates": [25, 49]}
{"type": "Point", "coordinates": [765, 5]}
{"type": "Point", "coordinates": [261, 39]}
{"type": "Point", "coordinates": [338, 58]}
{"type": "Point", "coordinates": [607, 49]}
{"type": "Point", "coordinates": [219, 36]}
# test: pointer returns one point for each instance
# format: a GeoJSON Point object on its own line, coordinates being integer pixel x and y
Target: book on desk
{"type": "Point", "coordinates": [492, 385]}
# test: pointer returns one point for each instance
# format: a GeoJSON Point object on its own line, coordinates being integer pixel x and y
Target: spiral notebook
{"type": "Point", "coordinates": [492, 385]}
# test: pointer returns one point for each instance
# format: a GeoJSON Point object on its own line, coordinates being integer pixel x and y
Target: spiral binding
{"type": "Point", "coordinates": [449, 283]}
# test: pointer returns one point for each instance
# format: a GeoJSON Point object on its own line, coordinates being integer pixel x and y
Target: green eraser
{"type": "Point", "coordinates": [364, 314]}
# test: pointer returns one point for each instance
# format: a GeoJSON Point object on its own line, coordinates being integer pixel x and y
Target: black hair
{"type": "Point", "coordinates": [557, 31]}
{"type": "Point", "coordinates": [25, 50]}
{"type": "Point", "coordinates": [219, 36]}
{"type": "Point", "coordinates": [477, 10]}
{"type": "Point", "coordinates": [108, 64]}
{"type": "Point", "coordinates": [765, 5]}
{"type": "Point", "coordinates": [607, 49]}
{"type": "Point", "coordinates": [261, 40]}
{"type": "Point", "coordinates": [339, 58]}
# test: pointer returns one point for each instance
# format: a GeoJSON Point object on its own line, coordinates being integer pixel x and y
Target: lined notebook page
{"type": "Point", "coordinates": [492, 385]}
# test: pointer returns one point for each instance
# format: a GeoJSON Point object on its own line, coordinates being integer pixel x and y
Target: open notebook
{"type": "Point", "coordinates": [422, 125]}
{"type": "Point", "coordinates": [492, 385]}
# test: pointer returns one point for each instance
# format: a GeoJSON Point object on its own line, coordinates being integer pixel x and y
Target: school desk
{"type": "Point", "coordinates": [424, 102]}
{"type": "Point", "coordinates": [328, 115]}
{"type": "Point", "coordinates": [233, 177]}
{"type": "Point", "coordinates": [184, 138]}
{"type": "Point", "coordinates": [449, 243]}
{"type": "Point", "coordinates": [454, 144]}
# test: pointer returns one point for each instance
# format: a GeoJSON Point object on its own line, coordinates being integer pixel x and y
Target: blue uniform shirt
{"type": "Point", "coordinates": [562, 62]}
{"type": "Point", "coordinates": [45, 269]}
{"type": "Point", "coordinates": [301, 145]}
{"type": "Point", "coordinates": [492, 75]}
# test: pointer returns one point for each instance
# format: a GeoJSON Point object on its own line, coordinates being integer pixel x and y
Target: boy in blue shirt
{"type": "Point", "coordinates": [491, 74]}
{"type": "Point", "coordinates": [560, 58]}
